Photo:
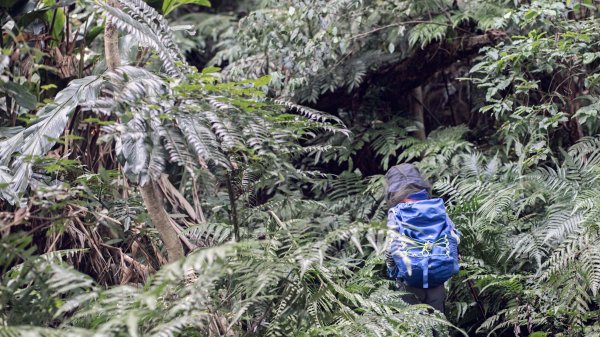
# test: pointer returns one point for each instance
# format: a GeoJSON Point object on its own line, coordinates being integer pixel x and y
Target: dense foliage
{"type": "Point", "coordinates": [186, 168]}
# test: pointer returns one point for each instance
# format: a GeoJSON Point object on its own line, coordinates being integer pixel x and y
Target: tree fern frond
{"type": "Point", "coordinates": [528, 246]}
{"type": "Point", "coordinates": [313, 114]}
{"type": "Point", "coordinates": [29, 331]}
{"type": "Point", "coordinates": [587, 150]}
{"type": "Point", "coordinates": [228, 136]}
{"type": "Point", "coordinates": [590, 264]}
{"type": "Point", "coordinates": [9, 146]}
{"type": "Point", "coordinates": [202, 140]}
{"type": "Point", "coordinates": [130, 147]}
{"type": "Point", "coordinates": [39, 138]}
{"type": "Point", "coordinates": [67, 280]}
{"type": "Point", "coordinates": [425, 33]}
{"type": "Point", "coordinates": [565, 255]}
{"type": "Point", "coordinates": [135, 83]}
{"type": "Point", "coordinates": [156, 160]}
{"type": "Point", "coordinates": [208, 234]}
{"type": "Point", "coordinates": [346, 185]}
{"type": "Point", "coordinates": [149, 28]}
{"type": "Point", "coordinates": [561, 225]}
{"type": "Point", "coordinates": [5, 179]}
{"type": "Point", "coordinates": [177, 147]}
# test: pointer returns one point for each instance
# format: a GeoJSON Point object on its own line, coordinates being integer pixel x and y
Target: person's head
{"type": "Point", "coordinates": [401, 181]}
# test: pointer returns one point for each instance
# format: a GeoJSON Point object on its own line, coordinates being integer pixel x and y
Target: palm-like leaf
{"type": "Point", "coordinates": [39, 138]}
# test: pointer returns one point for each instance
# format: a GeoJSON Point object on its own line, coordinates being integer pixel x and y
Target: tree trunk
{"type": "Point", "coordinates": [417, 110]}
{"type": "Point", "coordinates": [152, 202]}
{"type": "Point", "coordinates": [161, 221]}
{"type": "Point", "coordinates": [111, 43]}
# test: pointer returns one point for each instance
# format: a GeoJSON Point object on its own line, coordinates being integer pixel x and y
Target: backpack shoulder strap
{"type": "Point", "coordinates": [395, 219]}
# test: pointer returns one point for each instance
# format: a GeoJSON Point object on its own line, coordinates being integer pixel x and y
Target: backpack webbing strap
{"type": "Point", "coordinates": [425, 267]}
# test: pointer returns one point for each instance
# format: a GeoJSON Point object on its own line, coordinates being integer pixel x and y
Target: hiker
{"type": "Point", "coordinates": [422, 252]}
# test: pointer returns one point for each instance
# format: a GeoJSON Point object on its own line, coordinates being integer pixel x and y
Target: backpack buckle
{"type": "Point", "coordinates": [427, 247]}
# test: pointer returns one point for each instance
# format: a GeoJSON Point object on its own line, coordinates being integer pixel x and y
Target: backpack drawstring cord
{"type": "Point", "coordinates": [426, 246]}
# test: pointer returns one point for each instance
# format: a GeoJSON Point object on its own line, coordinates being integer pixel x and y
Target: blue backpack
{"type": "Point", "coordinates": [424, 243]}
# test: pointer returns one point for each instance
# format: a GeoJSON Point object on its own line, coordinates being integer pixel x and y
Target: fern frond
{"type": "Point", "coordinates": [425, 33]}
{"type": "Point", "coordinates": [149, 28]}
{"type": "Point", "coordinates": [202, 140]}
{"type": "Point", "coordinates": [177, 147]}
{"type": "Point", "coordinates": [209, 234]}
{"type": "Point", "coordinates": [39, 138]}
{"type": "Point", "coordinates": [313, 114]}
{"type": "Point", "coordinates": [561, 225]}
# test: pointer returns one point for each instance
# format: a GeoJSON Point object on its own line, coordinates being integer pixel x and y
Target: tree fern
{"type": "Point", "coordinates": [149, 28]}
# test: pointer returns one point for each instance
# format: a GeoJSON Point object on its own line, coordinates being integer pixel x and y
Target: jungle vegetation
{"type": "Point", "coordinates": [214, 168]}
